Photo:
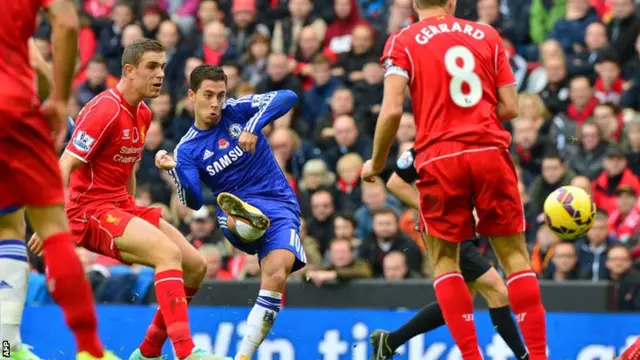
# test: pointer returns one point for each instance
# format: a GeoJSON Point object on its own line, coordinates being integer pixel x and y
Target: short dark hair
{"type": "Point", "coordinates": [134, 52]}
{"type": "Point", "coordinates": [321, 60]}
{"type": "Point", "coordinates": [423, 4]}
{"type": "Point", "coordinates": [98, 59]}
{"type": "Point", "coordinates": [347, 217]}
{"type": "Point", "coordinates": [553, 154]}
{"type": "Point", "coordinates": [384, 211]}
{"type": "Point", "coordinates": [206, 72]}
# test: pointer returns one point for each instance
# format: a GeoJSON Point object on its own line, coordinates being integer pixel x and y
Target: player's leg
{"type": "Point", "coordinates": [501, 218]}
{"type": "Point", "coordinates": [14, 277]}
{"type": "Point", "coordinates": [280, 253]}
{"type": "Point", "coordinates": [66, 279]}
{"type": "Point", "coordinates": [243, 219]}
{"type": "Point", "coordinates": [195, 268]}
{"type": "Point", "coordinates": [445, 203]}
{"type": "Point", "coordinates": [489, 284]}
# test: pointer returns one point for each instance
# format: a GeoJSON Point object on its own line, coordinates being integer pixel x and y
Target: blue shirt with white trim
{"type": "Point", "coordinates": [214, 157]}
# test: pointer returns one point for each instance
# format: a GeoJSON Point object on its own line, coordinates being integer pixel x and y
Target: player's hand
{"type": "Point", "coordinates": [57, 115]}
{"type": "Point", "coordinates": [368, 172]}
{"type": "Point", "coordinates": [164, 161]}
{"type": "Point", "coordinates": [35, 244]}
{"type": "Point", "coordinates": [248, 141]}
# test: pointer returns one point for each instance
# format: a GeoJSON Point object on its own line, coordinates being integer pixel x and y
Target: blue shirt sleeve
{"type": "Point", "coordinates": [187, 179]}
{"type": "Point", "coordinates": [260, 110]}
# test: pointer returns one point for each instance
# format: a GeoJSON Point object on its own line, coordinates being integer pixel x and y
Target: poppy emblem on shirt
{"type": "Point", "coordinates": [223, 144]}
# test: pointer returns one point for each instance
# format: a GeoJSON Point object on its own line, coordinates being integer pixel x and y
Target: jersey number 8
{"type": "Point", "coordinates": [463, 75]}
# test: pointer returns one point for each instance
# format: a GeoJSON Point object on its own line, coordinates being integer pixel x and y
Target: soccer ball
{"type": "Point", "coordinates": [569, 212]}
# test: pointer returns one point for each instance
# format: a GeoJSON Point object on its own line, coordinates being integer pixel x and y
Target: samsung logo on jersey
{"type": "Point", "coordinates": [229, 158]}
{"type": "Point", "coordinates": [427, 32]}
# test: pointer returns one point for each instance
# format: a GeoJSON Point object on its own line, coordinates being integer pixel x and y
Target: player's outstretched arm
{"type": "Point", "coordinates": [265, 108]}
{"type": "Point", "coordinates": [388, 120]}
{"type": "Point", "coordinates": [68, 164]}
{"type": "Point", "coordinates": [404, 191]}
{"type": "Point", "coordinates": [65, 27]}
{"type": "Point", "coordinates": [185, 175]}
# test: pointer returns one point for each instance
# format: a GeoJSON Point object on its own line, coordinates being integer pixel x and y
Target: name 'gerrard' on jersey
{"type": "Point", "coordinates": [429, 31]}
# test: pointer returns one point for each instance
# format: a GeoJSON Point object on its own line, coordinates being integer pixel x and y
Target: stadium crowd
{"type": "Point", "coordinates": [577, 65]}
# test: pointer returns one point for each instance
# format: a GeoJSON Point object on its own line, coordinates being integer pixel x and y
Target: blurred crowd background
{"type": "Point", "coordinates": [577, 65]}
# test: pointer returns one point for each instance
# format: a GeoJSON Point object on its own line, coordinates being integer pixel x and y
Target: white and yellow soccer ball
{"type": "Point", "coordinates": [569, 212]}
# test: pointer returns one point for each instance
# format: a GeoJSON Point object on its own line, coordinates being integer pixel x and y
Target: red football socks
{"type": "Point", "coordinates": [632, 352]}
{"type": "Point", "coordinates": [457, 308]}
{"type": "Point", "coordinates": [173, 305]}
{"type": "Point", "coordinates": [156, 335]}
{"type": "Point", "coordinates": [70, 289]}
{"type": "Point", "coordinates": [524, 296]}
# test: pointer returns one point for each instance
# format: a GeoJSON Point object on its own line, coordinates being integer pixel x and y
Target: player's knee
{"type": "Point", "coordinates": [47, 221]}
{"type": "Point", "coordinates": [512, 252]}
{"type": "Point", "coordinates": [276, 276]}
{"type": "Point", "coordinates": [196, 269]}
{"type": "Point", "coordinates": [167, 254]}
{"type": "Point", "coordinates": [493, 289]}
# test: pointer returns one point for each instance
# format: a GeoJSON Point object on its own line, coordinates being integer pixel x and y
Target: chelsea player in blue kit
{"type": "Point", "coordinates": [257, 209]}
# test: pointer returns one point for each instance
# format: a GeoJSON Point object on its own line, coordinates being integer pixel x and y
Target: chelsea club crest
{"type": "Point", "coordinates": [235, 130]}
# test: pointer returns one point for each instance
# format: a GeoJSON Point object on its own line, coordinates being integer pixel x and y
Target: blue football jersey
{"type": "Point", "coordinates": [214, 157]}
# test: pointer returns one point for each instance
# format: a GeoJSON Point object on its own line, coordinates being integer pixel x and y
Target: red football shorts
{"type": "Point", "coordinates": [99, 226]}
{"type": "Point", "coordinates": [455, 178]}
{"type": "Point", "coordinates": [28, 161]}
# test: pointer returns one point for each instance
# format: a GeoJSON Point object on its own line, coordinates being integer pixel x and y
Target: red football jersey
{"type": "Point", "coordinates": [454, 68]}
{"type": "Point", "coordinates": [109, 137]}
{"type": "Point", "coordinates": [17, 24]}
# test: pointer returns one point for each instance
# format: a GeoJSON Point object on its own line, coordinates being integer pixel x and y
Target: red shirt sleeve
{"type": "Point", "coordinates": [504, 74]}
{"type": "Point", "coordinates": [395, 58]}
{"type": "Point", "coordinates": [93, 127]}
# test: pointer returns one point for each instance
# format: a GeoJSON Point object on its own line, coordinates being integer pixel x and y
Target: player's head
{"type": "Point", "coordinates": [143, 65]}
{"type": "Point", "coordinates": [207, 92]}
{"type": "Point", "coordinates": [448, 5]}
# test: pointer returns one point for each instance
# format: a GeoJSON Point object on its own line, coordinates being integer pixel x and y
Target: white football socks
{"type": "Point", "coordinates": [259, 323]}
{"type": "Point", "coordinates": [247, 231]}
{"type": "Point", "coordinates": [14, 275]}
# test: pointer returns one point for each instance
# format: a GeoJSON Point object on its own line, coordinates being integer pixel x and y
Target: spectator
{"type": "Point", "coordinates": [215, 47]}
{"type": "Point", "coordinates": [311, 249]}
{"type": "Point", "coordinates": [245, 24]}
{"type": "Point", "coordinates": [131, 33]}
{"type": "Point", "coordinates": [308, 49]}
{"type": "Point", "coordinates": [152, 16]}
{"type": "Point", "coordinates": [347, 140]}
{"type": "Point", "coordinates": [343, 265]}
{"type": "Point", "coordinates": [395, 267]}
{"type": "Point", "coordinates": [286, 32]}
{"type": "Point", "coordinates": [208, 12]}
{"type": "Point", "coordinates": [374, 197]}
{"type": "Point", "coordinates": [279, 76]}
{"type": "Point", "coordinates": [368, 94]}
{"type": "Point", "coordinates": [348, 182]}
{"type": "Point", "coordinates": [624, 221]}
{"type": "Point", "coordinates": [583, 102]}
{"type": "Point", "coordinates": [633, 149]}
{"type": "Point", "coordinates": [97, 76]}
{"type": "Point", "coordinates": [386, 238]}
{"type": "Point", "coordinates": [254, 61]}
{"type": "Point", "coordinates": [623, 28]}
{"type": "Point", "coordinates": [345, 225]}
{"type": "Point", "coordinates": [625, 277]}
{"type": "Point", "coordinates": [595, 40]}
{"type": "Point", "coordinates": [148, 174]}
{"type": "Point", "coordinates": [109, 44]}
{"type": "Point", "coordinates": [162, 109]}
{"type": "Point", "coordinates": [554, 175]}
{"type": "Point", "coordinates": [570, 30]}
{"type": "Point", "coordinates": [320, 225]}
{"type": "Point", "coordinates": [316, 100]}
{"type": "Point", "coordinates": [542, 250]}
{"type": "Point", "coordinates": [342, 103]}
{"type": "Point", "coordinates": [203, 231]}
{"type": "Point", "coordinates": [609, 85]}
{"type": "Point", "coordinates": [615, 174]}
{"type": "Point", "coordinates": [556, 94]}
{"type": "Point", "coordinates": [291, 152]}
{"type": "Point", "coordinates": [315, 176]}
{"type": "Point", "coordinates": [632, 67]}
{"type": "Point", "coordinates": [488, 13]}
{"type": "Point", "coordinates": [538, 79]}
{"type": "Point", "coordinates": [592, 251]}
{"type": "Point", "coordinates": [215, 271]}
{"type": "Point", "coordinates": [527, 146]}
{"type": "Point", "coordinates": [564, 262]}
{"type": "Point", "coordinates": [339, 33]}
{"type": "Point", "coordinates": [607, 117]}
{"type": "Point", "coordinates": [582, 182]}
{"type": "Point", "coordinates": [586, 158]}
{"type": "Point", "coordinates": [351, 63]}
{"type": "Point", "coordinates": [532, 107]}
{"type": "Point", "coordinates": [169, 36]}
{"type": "Point", "coordinates": [232, 70]}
